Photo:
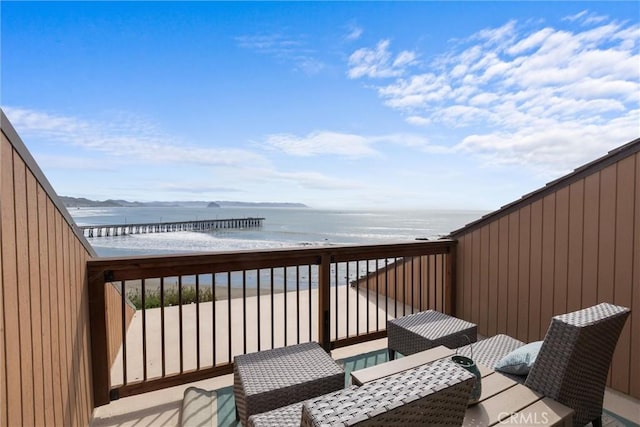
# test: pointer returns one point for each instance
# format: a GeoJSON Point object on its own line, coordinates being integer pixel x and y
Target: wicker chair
{"type": "Point", "coordinates": [573, 363]}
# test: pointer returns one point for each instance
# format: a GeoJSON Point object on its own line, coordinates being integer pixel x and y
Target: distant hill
{"type": "Point", "coordinates": [81, 202]}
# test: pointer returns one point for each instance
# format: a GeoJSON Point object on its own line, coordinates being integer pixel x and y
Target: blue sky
{"type": "Point", "coordinates": [463, 105]}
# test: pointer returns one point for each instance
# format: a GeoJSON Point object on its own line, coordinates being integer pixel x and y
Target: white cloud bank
{"type": "Point", "coordinates": [545, 98]}
{"type": "Point", "coordinates": [123, 136]}
{"type": "Point", "coordinates": [346, 144]}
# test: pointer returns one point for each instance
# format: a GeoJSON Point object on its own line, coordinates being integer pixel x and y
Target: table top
{"type": "Point", "coordinates": [503, 401]}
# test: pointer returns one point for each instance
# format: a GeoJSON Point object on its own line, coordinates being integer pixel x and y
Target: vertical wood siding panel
{"type": "Point", "coordinates": [591, 235]}
{"type": "Point", "coordinates": [76, 375]}
{"type": "Point", "coordinates": [503, 275]}
{"type": "Point", "coordinates": [441, 273]}
{"type": "Point", "coordinates": [535, 274]}
{"type": "Point", "coordinates": [56, 331]}
{"type": "Point", "coordinates": [626, 181]}
{"type": "Point", "coordinates": [607, 238]}
{"type": "Point", "coordinates": [36, 298]}
{"type": "Point", "coordinates": [49, 395]}
{"type": "Point", "coordinates": [634, 319]}
{"type": "Point", "coordinates": [548, 262]}
{"type": "Point", "coordinates": [483, 281]}
{"type": "Point", "coordinates": [468, 256]}
{"type": "Point", "coordinates": [514, 247]}
{"type": "Point", "coordinates": [81, 391]}
{"type": "Point", "coordinates": [24, 297]}
{"type": "Point", "coordinates": [66, 317]}
{"type": "Point", "coordinates": [44, 373]}
{"type": "Point", "coordinates": [575, 251]}
{"type": "Point", "coordinates": [475, 277]}
{"type": "Point", "coordinates": [62, 318]}
{"type": "Point", "coordinates": [494, 258]}
{"type": "Point", "coordinates": [86, 343]}
{"type": "Point", "coordinates": [524, 262]}
{"type": "Point", "coordinates": [13, 405]}
{"type": "Point", "coordinates": [459, 285]}
{"type": "Point", "coordinates": [561, 251]}
{"type": "Point", "coordinates": [3, 371]}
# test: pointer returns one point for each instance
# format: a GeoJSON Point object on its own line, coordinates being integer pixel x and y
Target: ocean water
{"type": "Point", "coordinates": [282, 228]}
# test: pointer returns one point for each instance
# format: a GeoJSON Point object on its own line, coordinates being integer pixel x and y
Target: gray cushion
{"type": "Point", "coordinates": [520, 360]}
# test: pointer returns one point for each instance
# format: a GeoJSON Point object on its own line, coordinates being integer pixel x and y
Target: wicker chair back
{"type": "Point", "coordinates": [574, 360]}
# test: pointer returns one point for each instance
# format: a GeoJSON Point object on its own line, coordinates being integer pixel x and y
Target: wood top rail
{"type": "Point", "coordinates": [144, 267]}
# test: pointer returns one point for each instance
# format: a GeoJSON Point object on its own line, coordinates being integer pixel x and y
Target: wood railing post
{"type": "Point", "coordinates": [324, 302]}
{"type": "Point", "coordinates": [100, 363]}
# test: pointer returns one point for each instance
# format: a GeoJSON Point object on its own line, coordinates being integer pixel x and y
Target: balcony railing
{"type": "Point", "coordinates": [171, 319]}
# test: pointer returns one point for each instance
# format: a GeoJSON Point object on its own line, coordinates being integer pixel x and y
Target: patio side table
{"type": "Point", "coordinates": [427, 329]}
{"type": "Point", "coordinates": [270, 379]}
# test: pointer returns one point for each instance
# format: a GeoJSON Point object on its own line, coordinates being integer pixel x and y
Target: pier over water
{"type": "Point", "coordinates": [107, 230]}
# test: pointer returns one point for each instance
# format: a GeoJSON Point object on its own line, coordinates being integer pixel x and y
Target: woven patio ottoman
{"type": "Point", "coordinates": [436, 393]}
{"type": "Point", "coordinates": [427, 329]}
{"type": "Point", "coordinates": [274, 378]}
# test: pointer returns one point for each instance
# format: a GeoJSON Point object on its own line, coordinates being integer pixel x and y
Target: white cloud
{"type": "Point", "coordinates": [497, 35]}
{"type": "Point", "coordinates": [355, 32]}
{"type": "Point", "coordinates": [322, 142]}
{"type": "Point", "coordinates": [345, 144]}
{"type": "Point", "coordinates": [316, 181]}
{"type": "Point", "coordinates": [586, 18]}
{"type": "Point", "coordinates": [379, 62]}
{"type": "Point", "coordinates": [418, 121]}
{"type": "Point", "coordinates": [72, 163]}
{"type": "Point", "coordinates": [195, 187]}
{"type": "Point", "coordinates": [547, 98]}
{"type": "Point", "coordinates": [294, 50]}
{"type": "Point", "coordinates": [555, 149]}
{"type": "Point", "coordinates": [122, 136]}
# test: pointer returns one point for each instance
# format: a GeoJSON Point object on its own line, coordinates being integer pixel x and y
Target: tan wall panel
{"type": "Point", "coordinates": [524, 266]}
{"type": "Point", "coordinates": [483, 279]}
{"type": "Point", "coordinates": [13, 385]}
{"type": "Point", "coordinates": [71, 326]}
{"type": "Point", "coordinates": [634, 321]}
{"type": "Point", "coordinates": [475, 277]}
{"type": "Point", "coordinates": [3, 366]}
{"type": "Point", "coordinates": [63, 321]}
{"type": "Point", "coordinates": [623, 266]}
{"type": "Point", "coordinates": [514, 245]}
{"type": "Point", "coordinates": [575, 252]}
{"type": "Point", "coordinates": [44, 367]}
{"type": "Point", "coordinates": [591, 240]}
{"type": "Point", "coordinates": [24, 297]}
{"type": "Point", "coordinates": [35, 300]}
{"type": "Point", "coordinates": [535, 271]}
{"type": "Point", "coordinates": [43, 258]}
{"type": "Point", "coordinates": [56, 332]}
{"type": "Point", "coordinates": [607, 238]}
{"type": "Point", "coordinates": [561, 256]}
{"type": "Point", "coordinates": [571, 248]}
{"type": "Point", "coordinates": [492, 278]}
{"type": "Point", "coordinates": [441, 278]}
{"type": "Point", "coordinates": [467, 276]}
{"type": "Point", "coordinates": [548, 264]}
{"type": "Point", "coordinates": [503, 275]}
